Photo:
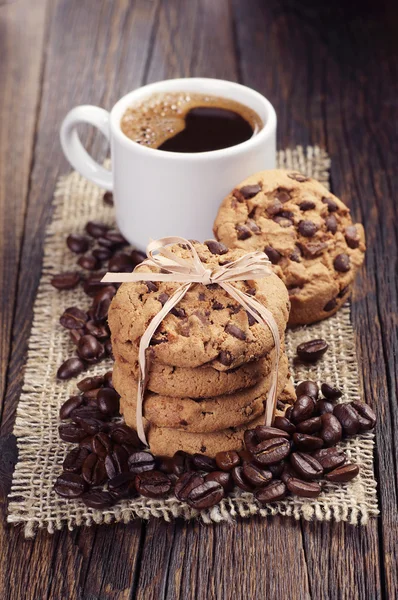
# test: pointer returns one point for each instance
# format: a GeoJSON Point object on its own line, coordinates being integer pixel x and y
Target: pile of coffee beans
{"type": "Point", "coordinates": [100, 250]}
{"type": "Point", "coordinates": [292, 457]}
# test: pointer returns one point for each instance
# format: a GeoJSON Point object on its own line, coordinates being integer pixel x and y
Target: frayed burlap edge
{"type": "Point", "coordinates": [32, 500]}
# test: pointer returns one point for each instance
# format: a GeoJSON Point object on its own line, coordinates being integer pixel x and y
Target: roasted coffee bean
{"type": "Point", "coordinates": [98, 499]}
{"type": "Point", "coordinates": [235, 331]}
{"type": "Point", "coordinates": [276, 470]}
{"type": "Point", "coordinates": [108, 198]}
{"type": "Point", "coordinates": [73, 318]}
{"type": "Point", "coordinates": [307, 388]}
{"type": "Point", "coordinates": [71, 368]}
{"type": "Point", "coordinates": [331, 224]}
{"type": "Point", "coordinates": [216, 247]}
{"type": "Point", "coordinates": [245, 457]}
{"type": "Point", "coordinates": [250, 439]}
{"type": "Point", "coordinates": [77, 243]}
{"type": "Point", "coordinates": [255, 475]}
{"type": "Point", "coordinates": [109, 350]}
{"type": "Point", "coordinates": [139, 462]}
{"type": "Point", "coordinates": [121, 263]}
{"type": "Point", "coordinates": [306, 465]}
{"type": "Point", "coordinates": [122, 434]}
{"type": "Point", "coordinates": [304, 489]}
{"type": "Point", "coordinates": [331, 204]}
{"type": "Point", "coordinates": [330, 458]}
{"type": "Point", "coordinates": [164, 464]}
{"type": "Point", "coordinates": [65, 281]}
{"type": "Point", "coordinates": [90, 383]}
{"type": "Point", "coordinates": [90, 349]}
{"type": "Point", "coordinates": [342, 263]}
{"type": "Point", "coordinates": [348, 417]}
{"type": "Point", "coordinates": [226, 461]}
{"type": "Point", "coordinates": [91, 396]}
{"type": "Point", "coordinates": [288, 413]}
{"type": "Point", "coordinates": [108, 379]}
{"type": "Point", "coordinates": [71, 404]}
{"type": "Point", "coordinates": [331, 431]}
{"type": "Point", "coordinates": [271, 451]}
{"type": "Point", "coordinates": [101, 444]}
{"type": "Point", "coordinates": [287, 473]}
{"type": "Point", "coordinates": [93, 470]}
{"type": "Point", "coordinates": [303, 409]}
{"type": "Point", "coordinates": [87, 412]}
{"type": "Point", "coordinates": [93, 284]}
{"type": "Point", "coordinates": [330, 392]}
{"type": "Point", "coordinates": [324, 407]}
{"type": "Point", "coordinates": [153, 484]}
{"type": "Point", "coordinates": [343, 474]}
{"type": "Point", "coordinates": [89, 262]}
{"type": "Point", "coordinates": [137, 257]}
{"type": "Point", "coordinates": [307, 442]}
{"type": "Point", "coordinates": [108, 401]}
{"type": "Point", "coordinates": [116, 237]}
{"type": "Point", "coordinates": [86, 443]}
{"type": "Point", "coordinates": [88, 424]}
{"type": "Point", "coordinates": [102, 254]}
{"type": "Point", "coordinates": [273, 254]}
{"type": "Point", "coordinates": [307, 228]}
{"type": "Point", "coordinates": [122, 486]}
{"type": "Point", "coordinates": [204, 463]}
{"type": "Point", "coordinates": [310, 425]}
{"type": "Point", "coordinates": [75, 335]}
{"type": "Point", "coordinates": [117, 461]}
{"type": "Point", "coordinates": [74, 460]}
{"type": "Point", "coordinates": [206, 495]}
{"type": "Point", "coordinates": [98, 331]}
{"type": "Point", "coordinates": [186, 483]}
{"type": "Point", "coordinates": [368, 415]}
{"type": "Point", "coordinates": [223, 478]}
{"type": "Point", "coordinates": [70, 432]}
{"type": "Point", "coordinates": [70, 485]}
{"type": "Point", "coordinates": [240, 480]}
{"type": "Point", "coordinates": [312, 351]}
{"type": "Point", "coordinates": [276, 490]}
{"type": "Point", "coordinates": [96, 229]}
{"type": "Point", "coordinates": [352, 236]}
{"type": "Point", "coordinates": [269, 433]}
{"type": "Point", "coordinates": [182, 462]}
{"type": "Point", "coordinates": [284, 424]}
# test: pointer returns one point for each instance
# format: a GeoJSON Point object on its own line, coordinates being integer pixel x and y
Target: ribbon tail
{"type": "Point", "coordinates": [144, 344]}
{"type": "Point", "coordinates": [262, 316]}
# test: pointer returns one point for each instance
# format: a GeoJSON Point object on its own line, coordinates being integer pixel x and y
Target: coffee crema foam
{"type": "Point", "coordinates": [162, 116]}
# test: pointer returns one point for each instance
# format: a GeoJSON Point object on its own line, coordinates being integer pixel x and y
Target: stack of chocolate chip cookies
{"type": "Point", "coordinates": [210, 362]}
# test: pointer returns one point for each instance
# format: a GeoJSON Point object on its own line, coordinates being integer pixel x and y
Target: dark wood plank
{"type": "Point", "coordinates": [22, 34]}
{"type": "Point", "coordinates": [333, 88]}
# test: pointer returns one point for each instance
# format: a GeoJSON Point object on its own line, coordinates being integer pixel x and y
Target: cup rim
{"type": "Point", "coordinates": [171, 84]}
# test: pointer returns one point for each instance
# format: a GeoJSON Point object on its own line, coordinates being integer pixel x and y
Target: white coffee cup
{"type": "Point", "coordinates": [160, 193]}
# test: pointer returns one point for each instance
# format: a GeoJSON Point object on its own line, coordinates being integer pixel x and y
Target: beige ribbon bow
{"type": "Point", "coordinates": [254, 265]}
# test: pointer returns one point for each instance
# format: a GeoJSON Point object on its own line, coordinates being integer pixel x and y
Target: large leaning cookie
{"type": "Point", "coordinates": [307, 233]}
{"type": "Point", "coordinates": [207, 327]}
{"type": "Point", "coordinates": [201, 382]}
{"type": "Point", "coordinates": [205, 415]}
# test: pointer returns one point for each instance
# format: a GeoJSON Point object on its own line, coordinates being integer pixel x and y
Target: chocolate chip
{"type": "Point", "coordinates": [151, 286]}
{"type": "Point", "coordinates": [250, 319]}
{"type": "Point", "coordinates": [342, 263]}
{"type": "Point", "coordinates": [272, 254]}
{"type": "Point", "coordinates": [243, 232]}
{"type": "Point", "coordinates": [312, 249]}
{"type": "Point", "coordinates": [352, 236]}
{"type": "Point", "coordinates": [298, 177]}
{"type": "Point", "coordinates": [284, 218]}
{"type": "Point", "coordinates": [163, 297]}
{"type": "Point", "coordinates": [217, 305]}
{"type": "Point", "coordinates": [343, 291]}
{"type": "Point", "coordinates": [307, 205]}
{"type": "Point", "coordinates": [77, 243]}
{"type": "Point", "coordinates": [331, 223]}
{"type": "Point", "coordinates": [65, 281]}
{"type": "Point", "coordinates": [282, 194]}
{"type": "Point", "coordinates": [73, 318]}
{"type": "Point", "coordinates": [70, 368]}
{"type": "Point", "coordinates": [216, 247]}
{"type": "Point", "coordinates": [253, 226]}
{"type": "Point", "coordinates": [235, 331]}
{"type": "Point", "coordinates": [249, 191]}
{"type": "Point", "coordinates": [274, 208]}
{"type": "Point", "coordinates": [307, 228]}
{"type": "Point", "coordinates": [331, 204]}
{"type": "Point", "coordinates": [225, 357]}
{"type": "Point", "coordinates": [330, 305]}
{"type": "Point", "coordinates": [296, 255]}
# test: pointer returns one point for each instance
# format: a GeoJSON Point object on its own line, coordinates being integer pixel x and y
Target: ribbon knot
{"type": "Point", "coordinates": [187, 271]}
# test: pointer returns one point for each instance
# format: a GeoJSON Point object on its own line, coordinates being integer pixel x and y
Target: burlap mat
{"type": "Point", "coordinates": [32, 500]}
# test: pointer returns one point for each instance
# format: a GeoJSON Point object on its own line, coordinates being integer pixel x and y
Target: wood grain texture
{"type": "Point", "coordinates": [330, 71]}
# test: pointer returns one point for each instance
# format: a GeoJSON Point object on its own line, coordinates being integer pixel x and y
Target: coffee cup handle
{"type": "Point", "coordinates": [73, 149]}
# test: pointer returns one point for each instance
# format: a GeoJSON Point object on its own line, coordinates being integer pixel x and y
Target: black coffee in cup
{"type": "Point", "coordinates": [183, 122]}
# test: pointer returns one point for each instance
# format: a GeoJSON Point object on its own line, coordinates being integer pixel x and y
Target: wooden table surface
{"type": "Point", "coordinates": [330, 69]}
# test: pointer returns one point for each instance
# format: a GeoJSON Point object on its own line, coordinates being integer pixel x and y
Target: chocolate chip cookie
{"type": "Point", "coordinates": [204, 415]}
{"type": "Point", "coordinates": [307, 233]}
{"type": "Point", "coordinates": [207, 327]}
